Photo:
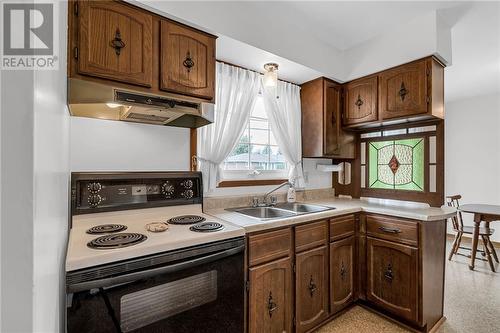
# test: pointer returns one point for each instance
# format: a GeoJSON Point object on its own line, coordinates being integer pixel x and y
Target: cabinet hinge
{"type": "Point", "coordinates": [293, 267]}
{"type": "Point", "coordinates": [247, 286]}
{"type": "Point", "coordinates": [75, 52]}
{"type": "Point", "coordinates": [427, 71]}
{"type": "Point", "coordinates": [428, 99]}
{"type": "Point", "coordinates": [294, 321]}
{"type": "Point", "coordinates": [75, 8]}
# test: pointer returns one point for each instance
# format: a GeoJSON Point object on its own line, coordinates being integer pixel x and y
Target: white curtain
{"type": "Point", "coordinates": [282, 105]}
{"type": "Point", "coordinates": [235, 95]}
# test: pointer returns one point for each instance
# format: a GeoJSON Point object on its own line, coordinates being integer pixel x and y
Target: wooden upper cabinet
{"type": "Point", "coordinates": [115, 42]}
{"type": "Point", "coordinates": [342, 266]}
{"type": "Point", "coordinates": [392, 275]}
{"type": "Point", "coordinates": [360, 101]}
{"type": "Point", "coordinates": [403, 90]}
{"type": "Point", "coordinates": [270, 297]}
{"type": "Point", "coordinates": [322, 135]}
{"type": "Point", "coordinates": [331, 123]}
{"type": "Point", "coordinates": [311, 288]}
{"type": "Point", "coordinates": [187, 61]}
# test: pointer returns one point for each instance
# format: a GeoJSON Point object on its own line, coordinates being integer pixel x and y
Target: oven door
{"type": "Point", "coordinates": [202, 294]}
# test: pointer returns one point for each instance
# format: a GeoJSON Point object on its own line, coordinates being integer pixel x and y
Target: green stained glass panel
{"type": "Point", "coordinates": [396, 164]}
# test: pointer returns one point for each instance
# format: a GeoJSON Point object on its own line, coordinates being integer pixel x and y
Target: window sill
{"type": "Point", "coordinates": [251, 182]}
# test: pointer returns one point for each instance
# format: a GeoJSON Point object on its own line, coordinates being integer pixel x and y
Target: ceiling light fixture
{"type": "Point", "coordinates": [271, 74]}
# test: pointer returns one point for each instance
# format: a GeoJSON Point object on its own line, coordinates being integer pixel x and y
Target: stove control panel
{"type": "Point", "coordinates": [110, 193]}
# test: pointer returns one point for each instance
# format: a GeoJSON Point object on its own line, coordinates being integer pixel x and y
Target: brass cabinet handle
{"type": "Point", "coordinates": [117, 43]}
{"type": "Point", "coordinates": [343, 271]}
{"type": "Point", "coordinates": [388, 273]}
{"type": "Point", "coordinates": [271, 305]}
{"type": "Point", "coordinates": [359, 102]}
{"type": "Point", "coordinates": [390, 230]}
{"type": "Point", "coordinates": [188, 62]}
{"type": "Point", "coordinates": [402, 91]}
{"type": "Point", "coordinates": [312, 287]}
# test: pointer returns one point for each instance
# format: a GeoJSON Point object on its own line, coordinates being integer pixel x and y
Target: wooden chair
{"type": "Point", "coordinates": [460, 229]}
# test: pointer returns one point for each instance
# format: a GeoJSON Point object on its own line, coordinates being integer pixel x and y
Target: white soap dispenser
{"type": "Point", "coordinates": [291, 194]}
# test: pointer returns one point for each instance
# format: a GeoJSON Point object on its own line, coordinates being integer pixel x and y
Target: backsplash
{"type": "Point", "coordinates": [246, 200]}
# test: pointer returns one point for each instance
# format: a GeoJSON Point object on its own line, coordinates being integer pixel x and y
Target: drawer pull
{"type": "Point", "coordinates": [312, 286]}
{"type": "Point", "coordinates": [390, 230]}
{"type": "Point", "coordinates": [388, 273]}
{"type": "Point", "coordinates": [271, 306]}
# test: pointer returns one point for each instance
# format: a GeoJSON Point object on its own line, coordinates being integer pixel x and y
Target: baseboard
{"type": "Point", "coordinates": [437, 325]}
{"type": "Point", "coordinates": [468, 239]}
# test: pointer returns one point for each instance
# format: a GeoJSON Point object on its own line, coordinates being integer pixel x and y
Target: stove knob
{"type": "Point", "coordinates": [94, 200]}
{"type": "Point", "coordinates": [94, 187]}
{"type": "Point", "coordinates": [188, 194]}
{"type": "Point", "coordinates": [188, 183]}
{"type": "Point", "coordinates": [167, 189]}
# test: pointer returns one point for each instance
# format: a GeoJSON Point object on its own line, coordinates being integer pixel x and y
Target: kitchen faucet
{"type": "Point", "coordinates": [273, 198]}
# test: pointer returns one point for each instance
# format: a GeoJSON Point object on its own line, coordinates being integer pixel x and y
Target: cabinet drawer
{"type": "Point", "coordinates": [342, 227]}
{"type": "Point", "coordinates": [269, 246]}
{"type": "Point", "coordinates": [310, 235]}
{"type": "Point", "coordinates": [397, 230]}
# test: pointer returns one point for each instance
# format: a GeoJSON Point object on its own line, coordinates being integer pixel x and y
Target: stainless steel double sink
{"type": "Point", "coordinates": [281, 210]}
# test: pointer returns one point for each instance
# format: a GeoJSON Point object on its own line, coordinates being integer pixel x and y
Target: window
{"type": "Point", "coordinates": [396, 164]}
{"type": "Point", "coordinates": [257, 154]}
{"type": "Point", "coordinates": [404, 162]}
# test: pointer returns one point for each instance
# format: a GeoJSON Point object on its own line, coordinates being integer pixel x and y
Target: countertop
{"type": "Point", "coordinates": [342, 207]}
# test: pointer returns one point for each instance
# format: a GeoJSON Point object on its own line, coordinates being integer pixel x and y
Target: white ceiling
{"type": "Point", "coordinates": [242, 54]}
{"type": "Point", "coordinates": [314, 32]}
{"type": "Point", "coordinates": [344, 24]}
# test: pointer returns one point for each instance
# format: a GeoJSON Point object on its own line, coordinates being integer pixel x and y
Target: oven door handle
{"type": "Point", "coordinates": [107, 282]}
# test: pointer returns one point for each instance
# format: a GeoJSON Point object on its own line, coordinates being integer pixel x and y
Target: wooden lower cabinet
{"type": "Point", "coordinates": [342, 273]}
{"type": "Point", "coordinates": [392, 275]}
{"type": "Point", "coordinates": [311, 288]}
{"type": "Point", "coordinates": [400, 275]}
{"type": "Point", "coordinates": [270, 297]}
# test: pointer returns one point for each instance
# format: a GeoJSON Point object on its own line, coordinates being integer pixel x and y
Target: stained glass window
{"type": "Point", "coordinates": [396, 164]}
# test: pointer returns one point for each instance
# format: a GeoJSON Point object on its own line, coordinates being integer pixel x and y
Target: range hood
{"type": "Point", "coordinates": [95, 100]}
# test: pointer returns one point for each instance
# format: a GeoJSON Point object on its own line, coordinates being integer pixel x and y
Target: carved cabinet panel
{"type": "Point", "coordinates": [360, 101]}
{"type": "Point", "coordinates": [392, 275]}
{"type": "Point", "coordinates": [342, 266]}
{"type": "Point", "coordinates": [115, 42]}
{"type": "Point", "coordinates": [403, 90]}
{"type": "Point", "coordinates": [311, 288]}
{"type": "Point", "coordinates": [270, 297]}
{"type": "Point", "coordinates": [187, 61]}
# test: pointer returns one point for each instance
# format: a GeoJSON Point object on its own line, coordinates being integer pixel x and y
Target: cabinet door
{"type": "Point", "coordinates": [115, 42]}
{"type": "Point", "coordinates": [311, 288]}
{"type": "Point", "coordinates": [392, 277]}
{"type": "Point", "coordinates": [331, 124]}
{"type": "Point", "coordinates": [270, 297]}
{"type": "Point", "coordinates": [187, 61]}
{"type": "Point", "coordinates": [403, 90]}
{"type": "Point", "coordinates": [342, 254]}
{"type": "Point", "coordinates": [360, 101]}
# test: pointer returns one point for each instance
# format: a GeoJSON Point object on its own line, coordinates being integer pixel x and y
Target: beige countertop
{"type": "Point", "coordinates": [342, 207]}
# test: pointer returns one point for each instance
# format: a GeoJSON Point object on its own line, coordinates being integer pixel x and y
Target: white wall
{"type": "Point", "coordinates": [472, 151]}
{"type": "Point", "coordinates": [103, 145]}
{"type": "Point", "coordinates": [17, 201]}
{"type": "Point", "coordinates": [51, 183]}
{"type": "Point", "coordinates": [106, 145]}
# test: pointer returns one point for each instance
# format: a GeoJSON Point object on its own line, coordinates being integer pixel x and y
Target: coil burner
{"type": "Point", "coordinates": [207, 227]}
{"type": "Point", "coordinates": [186, 219]}
{"type": "Point", "coordinates": [106, 229]}
{"type": "Point", "coordinates": [115, 241]}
